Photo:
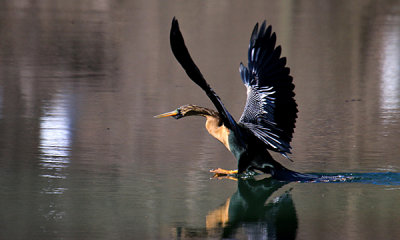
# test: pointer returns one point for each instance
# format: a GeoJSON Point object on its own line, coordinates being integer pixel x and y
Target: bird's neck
{"type": "Point", "coordinates": [218, 130]}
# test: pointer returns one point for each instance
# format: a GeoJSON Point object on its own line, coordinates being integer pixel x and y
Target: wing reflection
{"type": "Point", "coordinates": [249, 211]}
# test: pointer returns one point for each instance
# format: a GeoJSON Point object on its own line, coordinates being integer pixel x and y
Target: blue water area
{"type": "Point", "coordinates": [378, 178]}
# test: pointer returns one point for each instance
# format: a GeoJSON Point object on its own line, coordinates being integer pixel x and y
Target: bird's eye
{"type": "Point", "coordinates": [179, 115]}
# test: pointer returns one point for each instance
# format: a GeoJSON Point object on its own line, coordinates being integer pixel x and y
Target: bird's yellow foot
{"type": "Point", "coordinates": [222, 172]}
{"type": "Point", "coordinates": [220, 177]}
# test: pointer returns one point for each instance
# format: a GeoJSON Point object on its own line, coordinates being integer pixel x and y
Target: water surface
{"type": "Point", "coordinates": [81, 156]}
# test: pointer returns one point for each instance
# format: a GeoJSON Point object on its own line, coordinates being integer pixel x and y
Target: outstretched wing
{"type": "Point", "coordinates": [182, 55]}
{"type": "Point", "coordinates": [270, 111]}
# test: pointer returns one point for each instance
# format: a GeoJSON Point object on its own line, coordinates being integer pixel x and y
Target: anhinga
{"type": "Point", "coordinates": [270, 113]}
{"type": "Point", "coordinates": [259, 209]}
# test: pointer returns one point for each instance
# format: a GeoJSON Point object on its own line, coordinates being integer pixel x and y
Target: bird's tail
{"type": "Point", "coordinates": [280, 172]}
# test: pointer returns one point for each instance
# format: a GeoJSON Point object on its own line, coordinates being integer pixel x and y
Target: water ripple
{"type": "Point", "coordinates": [377, 178]}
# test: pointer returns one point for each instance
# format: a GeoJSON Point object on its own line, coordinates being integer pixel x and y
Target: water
{"type": "Point", "coordinates": [81, 156]}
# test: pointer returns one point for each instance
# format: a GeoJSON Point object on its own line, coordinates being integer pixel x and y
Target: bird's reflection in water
{"type": "Point", "coordinates": [254, 210]}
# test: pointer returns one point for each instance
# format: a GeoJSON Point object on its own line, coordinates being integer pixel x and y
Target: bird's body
{"type": "Point", "coordinates": [270, 113]}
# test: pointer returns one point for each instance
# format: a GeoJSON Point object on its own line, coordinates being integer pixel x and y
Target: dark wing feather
{"type": "Point", "coordinates": [270, 111]}
{"type": "Point", "coordinates": [182, 55]}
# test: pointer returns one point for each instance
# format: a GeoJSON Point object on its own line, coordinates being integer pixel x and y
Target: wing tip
{"type": "Point", "coordinates": [174, 27]}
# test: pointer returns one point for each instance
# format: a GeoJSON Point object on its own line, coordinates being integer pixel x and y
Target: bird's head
{"type": "Point", "coordinates": [188, 110]}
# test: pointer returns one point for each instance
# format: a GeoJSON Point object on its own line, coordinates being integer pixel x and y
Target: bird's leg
{"type": "Point", "coordinates": [222, 172]}
{"type": "Point", "coordinates": [229, 177]}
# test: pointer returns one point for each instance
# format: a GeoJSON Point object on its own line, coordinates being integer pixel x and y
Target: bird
{"type": "Point", "coordinates": [269, 116]}
{"type": "Point", "coordinates": [256, 204]}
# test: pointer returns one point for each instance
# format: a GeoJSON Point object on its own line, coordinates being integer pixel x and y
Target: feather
{"type": "Point", "coordinates": [181, 53]}
{"type": "Point", "coordinates": [270, 111]}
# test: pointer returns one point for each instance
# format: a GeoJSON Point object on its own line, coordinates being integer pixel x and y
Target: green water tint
{"type": "Point", "coordinates": [264, 208]}
{"type": "Point", "coordinates": [378, 178]}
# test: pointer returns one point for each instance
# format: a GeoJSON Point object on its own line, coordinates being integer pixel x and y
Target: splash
{"type": "Point", "coordinates": [378, 178]}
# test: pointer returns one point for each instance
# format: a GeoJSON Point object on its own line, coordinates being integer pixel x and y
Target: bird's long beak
{"type": "Point", "coordinates": [168, 114]}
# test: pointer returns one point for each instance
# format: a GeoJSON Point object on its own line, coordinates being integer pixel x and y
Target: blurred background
{"type": "Point", "coordinates": [81, 156]}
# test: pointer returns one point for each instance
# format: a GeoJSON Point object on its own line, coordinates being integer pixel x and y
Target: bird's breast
{"type": "Point", "coordinates": [219, 132]}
